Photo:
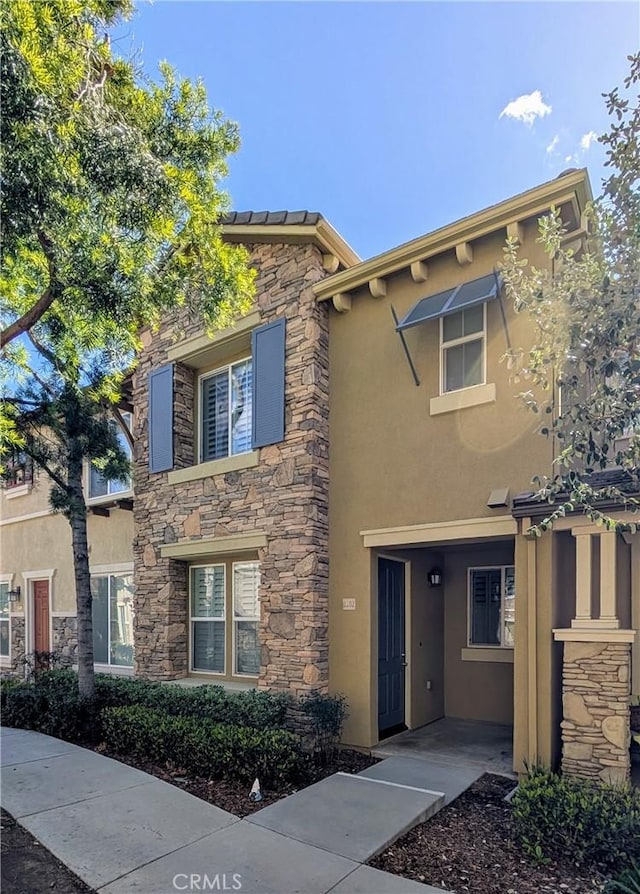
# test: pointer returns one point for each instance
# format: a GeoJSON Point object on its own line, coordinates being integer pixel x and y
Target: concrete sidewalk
{"type": "Point", "coordinates": [121, 830]}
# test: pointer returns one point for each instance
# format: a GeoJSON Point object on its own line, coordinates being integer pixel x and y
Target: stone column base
{"type": "Point", "coordinates": [595, 699]}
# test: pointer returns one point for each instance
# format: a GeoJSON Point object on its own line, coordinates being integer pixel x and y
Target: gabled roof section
{"type": "Point", "coordinates": [570, 192]}
{"type": "Point", "coordinates": [294, 227]}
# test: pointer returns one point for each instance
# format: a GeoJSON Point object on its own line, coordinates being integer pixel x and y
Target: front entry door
{"type": "Point", "coordinates": [391, 646]}
{"type": "Point", "coordinates": [41, 615]}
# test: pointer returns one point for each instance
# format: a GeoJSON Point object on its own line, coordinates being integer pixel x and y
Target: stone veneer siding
{"type": "Point", "coordinates": [18, 645]}
{"type": "Point", "coordinates": [286, 495]}
{"type": "Point", "coordinates": [64, 644]}
{"type": "Point", "coordinates": [595, 729]}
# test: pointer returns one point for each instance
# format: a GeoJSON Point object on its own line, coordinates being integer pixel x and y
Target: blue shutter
{"type": "Point", "coordinates": [268, 383]}
{"type": "Point", "coordinates": [161, 418]}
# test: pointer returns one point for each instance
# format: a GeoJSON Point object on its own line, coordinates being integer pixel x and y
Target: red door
{"type": "Point", "coordinates": [41, 615]}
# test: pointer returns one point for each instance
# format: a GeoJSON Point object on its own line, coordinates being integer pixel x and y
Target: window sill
{"type": "Point", "coordinates": [110, 498]}
{"type": "Point", "coordinates": [460, 400]}
{"type": "Point", "coordinates": [117, 670]}
{"type": "Point", "coordinates": [215, 467]}
{"type": "Point", "coordinates": [21, 491]}
{"type": "Point", "coordinates": [481, 653]}
{"type": "Point", "coordinates": [212, 680]}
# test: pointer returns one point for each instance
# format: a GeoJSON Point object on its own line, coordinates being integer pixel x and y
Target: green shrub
{"type": "Point", "coordinates": [260, 710]}
{"type": "Point", "coordinates": [627, 883]}
{"type": "Point", "coordinates": [560, 817]}
{"type": "Point", "coordinates": [202, 747]}
{"type": "Point", "coordinates": [52, 706]}
{"type": "Point", "coordinates": [327, 714]}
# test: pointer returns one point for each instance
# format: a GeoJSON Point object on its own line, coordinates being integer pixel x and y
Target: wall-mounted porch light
{"type": "Point", "coordinates": [434, 577]}
{"type": "Point", "coordinates": [14, 595]}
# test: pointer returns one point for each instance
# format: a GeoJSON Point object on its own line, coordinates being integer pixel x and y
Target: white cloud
{"type": "Point", "coordinates": [553, 144]}
{"type": "Point", "coordinates": [572, 158]}
{"type": "Point", "coordinates": [588, 139]}
{"type": "Point", "coordinates": [526, 108]}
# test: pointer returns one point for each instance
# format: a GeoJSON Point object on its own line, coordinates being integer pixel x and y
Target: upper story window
{"type": "Point", "coordinates": [18, 470]}
{"type": "Point", "coordinates": [462, 348]}
{"type": "Point", "coordinates": [492, 606]}
{"type": "Point", "coordinates": [240, 403]}
{"type": "Point", "coordinates": [226, 411]}
{"type": "Point", "coordinates": [99, 486]}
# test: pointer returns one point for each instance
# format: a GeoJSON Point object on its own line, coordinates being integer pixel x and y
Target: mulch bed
{"type": "Point", "coordinates": [468, 847]}
{"type": "Point", "coordinates": [234, 796]}
{"type": "Point", "coordinates": [27, 867]}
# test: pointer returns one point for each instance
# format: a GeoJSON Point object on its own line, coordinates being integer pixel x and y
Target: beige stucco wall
{"type": "Point", "coordinates": [43, 543]}
{"type": "Point", "coordinates": [393, 464]}
{"type": "Point", "coordinates": [474, 690]}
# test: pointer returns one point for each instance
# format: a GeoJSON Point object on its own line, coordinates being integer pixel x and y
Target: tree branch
{"type": "Point", "coordinates": [44, 302]}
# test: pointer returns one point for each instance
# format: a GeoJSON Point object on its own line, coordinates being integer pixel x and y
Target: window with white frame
{"type": "Point", "coordinates": [113, 619]}
{"type": "Point", "coordinates": [18, 471]}
{"type": "Point", "coordinates": [5, 632]}
{"type": "Point", "coordinates": [462, 348]}
{"type": "Point", "coordinates": [99, 486]}
{"type": "Point", "coordinates": [492, 606]}
{"type": "Point", "coordinates": [224, 616]}
{"type": "Point", "coordinates": [225, 411]}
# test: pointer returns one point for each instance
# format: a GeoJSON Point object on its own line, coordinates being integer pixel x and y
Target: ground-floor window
{"type": "Point", "coordinates": [224, 616]}
{"type": "Point", "coordinates": [113, 619]}
{"type": "Point", "coordinates": [4, 620]}
{"type": "Point", "coordinates": [492, 606]}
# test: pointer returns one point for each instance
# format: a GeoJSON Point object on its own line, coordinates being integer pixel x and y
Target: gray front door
{"type": "Point", "coordinates": [391, 646]}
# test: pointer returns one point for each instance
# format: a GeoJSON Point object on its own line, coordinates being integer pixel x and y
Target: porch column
{"type": "Point", "coordinates": [608, 579]}
{"type": "Point", "coordinates": [608, 619]}
{"type": "Point", "coordinates": [596, 671]}
{"type": "Point", "coordinates": [583, 579]}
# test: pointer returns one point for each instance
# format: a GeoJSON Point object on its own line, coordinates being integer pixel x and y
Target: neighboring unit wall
{"type": "Point", "coordinates": [276, 496]}
{"type": "Point", "coordinates": [36, 545]}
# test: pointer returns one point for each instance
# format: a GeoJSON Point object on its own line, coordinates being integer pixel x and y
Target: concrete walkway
{"type": "Point", "coordinates": [472, 743]}
{"type": "Point", "coordinates": [121, 830]}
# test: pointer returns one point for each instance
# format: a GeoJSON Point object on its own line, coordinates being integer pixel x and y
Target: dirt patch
{"type": "Point", "coordinates": [234, 796]}
{"type": "Point", "coordinates": [28, 867]}
{"type": "Point", "coordinates": [468, 848]}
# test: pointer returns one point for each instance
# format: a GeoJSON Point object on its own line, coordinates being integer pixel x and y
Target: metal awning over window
{"type": "Point", "coordinates": [477, 291]}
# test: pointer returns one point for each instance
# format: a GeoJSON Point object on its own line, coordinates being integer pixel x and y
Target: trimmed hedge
{"type": "Point", "coordinates": [260, 710]}
{"type": "Point", "coordinates": [565, 817]}
{"type": "Point", "coordinates": [202, 747]}
{"type": "Point", "coordinates": [52, 705]}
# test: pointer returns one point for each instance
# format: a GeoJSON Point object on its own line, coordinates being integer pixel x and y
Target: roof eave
{"type": "Point", "coordinates": [321, 234]}
{"type": "Point", "coordinates": [573, 187]}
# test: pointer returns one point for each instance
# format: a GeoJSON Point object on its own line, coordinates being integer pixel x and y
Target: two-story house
{"type": "Point", "coordinates": [325, 496]}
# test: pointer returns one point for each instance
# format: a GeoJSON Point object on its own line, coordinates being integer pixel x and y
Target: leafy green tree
{"type": "Point", "coordinates": [111, 202]}
{"type": "Point", "coordinates": [585, 307]}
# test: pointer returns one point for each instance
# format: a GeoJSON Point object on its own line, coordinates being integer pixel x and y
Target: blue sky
{"type": "Point", "coordinates": [386, 117]}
